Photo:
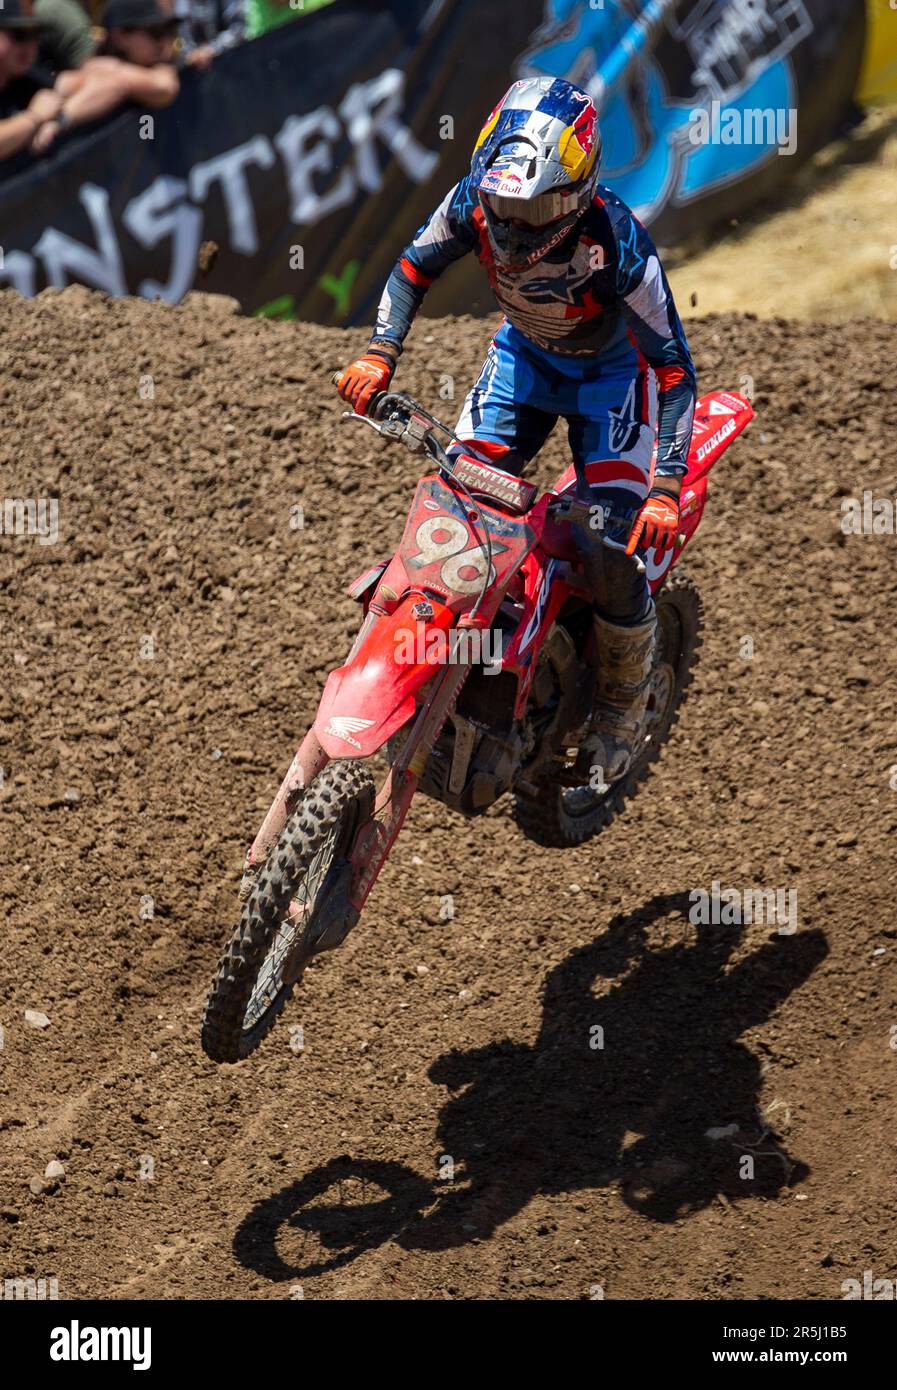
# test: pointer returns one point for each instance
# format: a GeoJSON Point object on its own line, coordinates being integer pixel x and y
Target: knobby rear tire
{"type": "Point", "coordinates": [541, 813]}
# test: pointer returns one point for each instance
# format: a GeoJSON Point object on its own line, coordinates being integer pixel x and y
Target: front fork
{"type": "Point", "coordinates": [308, 762]}
{"type": "Point", "coordinates": [375, 837]}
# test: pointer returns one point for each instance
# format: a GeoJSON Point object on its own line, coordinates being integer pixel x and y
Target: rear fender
{"type": "Point", "coordinates": [720, 417]}
{"type": "Point", "coordinates": [369, 699]}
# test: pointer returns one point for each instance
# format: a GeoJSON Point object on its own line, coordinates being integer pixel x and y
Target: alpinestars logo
{"type": "Point", "coordinates": [538, 612]}
{"type": "Point", "coordinates": [625, 426]}
{"type": "Point", "coordinates": [345, 725]}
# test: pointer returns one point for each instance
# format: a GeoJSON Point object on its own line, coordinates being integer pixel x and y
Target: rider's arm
{"type": "Point", "coordinates": [656, 327]}
{"type": "Point", "coordinates": [17, 130]}
{"type": "Point", "coordinates": [447, 235]}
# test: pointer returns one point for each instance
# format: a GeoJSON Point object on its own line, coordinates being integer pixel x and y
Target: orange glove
{"type": "Point", "coordinates": [363, 378]}
{"type": "Point", "coordinates": [657, 523]}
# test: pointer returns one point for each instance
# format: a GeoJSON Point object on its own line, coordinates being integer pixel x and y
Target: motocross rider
{"type": "Point", "coordinates": [590, 334]}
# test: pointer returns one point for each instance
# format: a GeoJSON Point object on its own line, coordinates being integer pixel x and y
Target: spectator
{"type": "Point", "coordinates": [139, 31]}
{"type": "Point", "coordinates": [27, 98]}
{"type": "Point", "coordinates": [66, 40]}
{"type": "Point", "coordinates": [209, 27]}
{"type": "Point", "coordinates": [134, 64]}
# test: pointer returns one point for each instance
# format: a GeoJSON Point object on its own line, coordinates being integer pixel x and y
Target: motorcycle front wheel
{"type": "Point", "coordinates": [298, 906]}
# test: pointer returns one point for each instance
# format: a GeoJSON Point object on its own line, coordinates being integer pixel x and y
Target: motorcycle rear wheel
{"type": "Point", "coordinates": [562, 816]}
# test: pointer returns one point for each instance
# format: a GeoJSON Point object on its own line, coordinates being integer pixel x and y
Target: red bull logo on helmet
{"type": "Point", "coordinates": [501, 181]}
{"type": "Point", "coordinates": [490, 124]}
{"type": "Point", "coordinates": [584, 128]}
{"type": "Point", "coordinates": [577, 147]}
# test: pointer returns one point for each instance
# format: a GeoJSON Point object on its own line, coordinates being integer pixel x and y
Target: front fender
{"type": "Point", "coordinates": [369, 699]}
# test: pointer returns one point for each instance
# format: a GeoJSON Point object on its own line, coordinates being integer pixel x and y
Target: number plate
{"type": "Point", "coordinates": [508, 491]}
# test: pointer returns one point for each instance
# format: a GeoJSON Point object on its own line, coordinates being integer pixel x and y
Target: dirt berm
{"type": "Point", "coordinates": [447, 1129]}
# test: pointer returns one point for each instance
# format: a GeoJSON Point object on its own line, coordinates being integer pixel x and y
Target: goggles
{"type": "Point", "coordinates": [535, 212]}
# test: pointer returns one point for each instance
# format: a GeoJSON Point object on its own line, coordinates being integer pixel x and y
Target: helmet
{"type": "Point", "coordinates": [535, 167]}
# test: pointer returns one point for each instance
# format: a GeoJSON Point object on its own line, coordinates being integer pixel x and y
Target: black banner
{"type": "Point", "coordinates": [311, 155]}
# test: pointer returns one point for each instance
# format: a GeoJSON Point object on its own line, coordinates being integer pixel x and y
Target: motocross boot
{"type": "Point", "coordinates": [617, 723]}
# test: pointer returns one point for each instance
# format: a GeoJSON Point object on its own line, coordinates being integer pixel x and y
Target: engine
{"type": "Point", "coordinates": [482, 748]}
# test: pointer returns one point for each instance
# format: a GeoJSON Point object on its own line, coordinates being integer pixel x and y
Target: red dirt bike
{"type": "Point", "coordinates": [472, 674]}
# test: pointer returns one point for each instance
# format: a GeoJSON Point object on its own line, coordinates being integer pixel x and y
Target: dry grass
{"type": "Point", "coordinates": [824, 251]}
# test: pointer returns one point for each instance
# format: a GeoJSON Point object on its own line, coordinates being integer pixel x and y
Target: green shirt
{"type": "Point", "coordinates": [66, 39]}
{"type": "Point", "coordinates": [262, 15]}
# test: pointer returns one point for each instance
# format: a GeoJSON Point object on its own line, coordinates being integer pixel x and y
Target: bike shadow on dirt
{"type": "Point", "coordinates": [638, 1081]}
{"type": "Point", "coordinates": [330, 1217]}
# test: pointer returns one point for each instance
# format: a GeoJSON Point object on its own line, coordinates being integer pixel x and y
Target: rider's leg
{"type": "Point", "coordinates": [614, 444]}
{"type": "Point", "coordinates": [624, 641]}
{"type": "Point", "coordinates": [509, 413]}
{"type": "Point", "coordinates": [499, 417]}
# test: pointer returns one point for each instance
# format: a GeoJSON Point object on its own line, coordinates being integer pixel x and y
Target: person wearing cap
{"type": "Point", "coordinates": [27, 98]}
{"type": "Point", "coordinates": [134, 64]}
{"type": "Point", "coordinates": [140, 32]}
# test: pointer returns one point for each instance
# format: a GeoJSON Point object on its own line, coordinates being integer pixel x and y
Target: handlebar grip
{"type": "Point", "coordinates": [375, 404]}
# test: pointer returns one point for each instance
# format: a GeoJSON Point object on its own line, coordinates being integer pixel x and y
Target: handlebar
{"type": "Point", "coordinates": [400, 417]}
{"type": "Point", "coordinates": [377, 402]}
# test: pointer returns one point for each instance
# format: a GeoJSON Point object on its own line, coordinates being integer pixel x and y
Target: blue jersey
{"type": "Point", "coordinates": [601, 293]}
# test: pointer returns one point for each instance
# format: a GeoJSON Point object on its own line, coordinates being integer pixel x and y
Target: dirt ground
{"type": "Point", "coordinates": [447, 1130]}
